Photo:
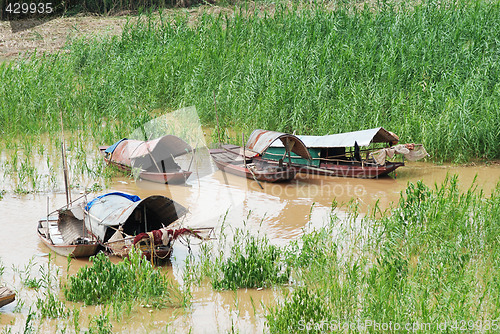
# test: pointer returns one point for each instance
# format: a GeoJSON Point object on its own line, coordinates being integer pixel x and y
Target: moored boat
{"type": "Point", "coordinates": [246, 161]}
{"type": "Point", "coordinates": [116, 219]}
{"type": "Point", "coordinates": [154, 160]}
{"type": "Point", "coordinates": [7, 296]}
{"type": "Point", "coordinates": [351, 154]}
{"type": "Point", "coordinates": [64, 232]}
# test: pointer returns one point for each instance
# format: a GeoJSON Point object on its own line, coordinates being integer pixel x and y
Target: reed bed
{"type": "Point", "coordinates": [429, 73]}
{"type": "Point", "coordinates": [432, 261]}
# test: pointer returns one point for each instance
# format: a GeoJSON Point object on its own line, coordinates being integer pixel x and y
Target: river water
{"type": "Point", "coordinates": [281, 211]}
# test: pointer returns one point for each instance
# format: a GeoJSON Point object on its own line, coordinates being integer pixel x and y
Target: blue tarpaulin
{"type": "Point", "coordinates": [112, 148]}
{"type": "Point", "coordinates": [132, 198]}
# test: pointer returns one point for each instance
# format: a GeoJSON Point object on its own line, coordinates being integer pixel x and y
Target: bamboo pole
{"type": "Point", "coordinates": [65, 165]}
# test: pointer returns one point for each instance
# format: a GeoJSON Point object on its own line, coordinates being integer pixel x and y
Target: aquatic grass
{"type": "Point", "coordinates": [100, 324]}
{"type": "Point", "coordinates": [433, 258]}
{"type": "Point", "coordinates": [255, 264]}
{"type": "Point", "coordinates": [26, 170]}
{"type": "Point", "coordinates": [248, 262]}
{"type": "Point", "coordinates": [27, 275]}
{"type": "Point", "coordinates": [131, 280]}
{"type": "Point", "coordinates": [49, 306]}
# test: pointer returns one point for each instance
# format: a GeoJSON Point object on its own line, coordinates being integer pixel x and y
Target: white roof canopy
{"type": "Point", "coordinates": [363, 138]}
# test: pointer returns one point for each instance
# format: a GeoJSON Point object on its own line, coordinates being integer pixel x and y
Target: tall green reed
{"type": "Point", "coordinates": [252, 263]}
{"type": "Point", "coordinates": [427, 73]}
{"type": "Point", "coordinates": [432, 259]}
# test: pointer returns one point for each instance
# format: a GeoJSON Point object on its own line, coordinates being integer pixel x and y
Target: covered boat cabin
{"type": "Point", "coordinates": [131, 215]}
{"type": "Point", "coordinates": [342, 148]}
{"type": "Point", "coordinates": [156, 155]}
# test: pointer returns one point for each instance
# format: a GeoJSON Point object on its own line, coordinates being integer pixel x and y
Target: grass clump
{"type": "Point", "coordinates": [251, 262]}
{"type": "Point", "coordinates": [100, 324]}
{"type": "Point", "coordinates": [132, 279]}
{"type": "Point", "coordinates": [433, 259]}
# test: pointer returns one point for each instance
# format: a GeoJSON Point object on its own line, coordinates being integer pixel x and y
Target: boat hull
{"type": "Point", "coordinates": [171, 178]}
{"type": "Point", "coordinates": [7, 296]}
{"type": "Point", "coordinates": [239, 169]}
{"type": "Point", "coordinates": [365, 172]}
{"type": "Point", "coordinates": [79, 250]}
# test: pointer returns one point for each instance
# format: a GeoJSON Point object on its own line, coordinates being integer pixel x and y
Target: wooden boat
{"type": "Point", "coordinates": [230, 160]}
{"type": "Point", "coordinates": [117, 218]}
{"type": "Point", "coordinates": [341, 154]}
{"type": "Point", "coordinates": [7, 296]}
{"type": "Point", "coordinates": [154, 160]}
{"type": "Point", "coordinates": [246, 161]}
{"type": "Point", "coordinates": [64, 232]}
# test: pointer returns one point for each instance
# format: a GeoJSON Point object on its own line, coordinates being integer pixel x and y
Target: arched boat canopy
{"type": "Point", "coordinates": [260, 140]}
{"type": "Point", "coordinates": [348, 139]}
{"type": "Point", "coordinates": [108, 213]}
{"type": "Point", "coordinates": [126, 151]}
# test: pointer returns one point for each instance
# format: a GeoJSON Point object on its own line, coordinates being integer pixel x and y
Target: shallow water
{"type": "Point", "coordinates": [281, 211]}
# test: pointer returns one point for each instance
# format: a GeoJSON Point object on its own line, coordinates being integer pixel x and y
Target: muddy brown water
{"type": "Point", "coordinates": [281, 211]}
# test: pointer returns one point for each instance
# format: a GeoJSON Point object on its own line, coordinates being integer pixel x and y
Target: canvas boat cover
{"type": "Point", "coordinates": [132, 198]}
{"type": "Point", "coordinates": [115, 210]}
{"type": "Point", "coordinates": [260, 140]}
{"type": "Point", "coordinates": [127, 150]}
{"type": "Point", "coordinates": [348, 139]}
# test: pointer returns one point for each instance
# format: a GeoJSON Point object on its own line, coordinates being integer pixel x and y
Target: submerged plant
{"type": "Point", "coordinates": [100, 324]}
{"type": "Point", "coordinates": [49, 306]}
{"type": "Point", "coordinates": [26, 275]}
{"type": "Point", "coordinates": [252, 262]}
{"type": "Point", "coordinates": [132, 279]}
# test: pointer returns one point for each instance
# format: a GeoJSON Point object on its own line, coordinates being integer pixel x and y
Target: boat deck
{"type": "Point", "coordinates": [66, 231]}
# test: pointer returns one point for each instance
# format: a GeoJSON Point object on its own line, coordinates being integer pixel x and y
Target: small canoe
{"type": "Point", "coordinates": [154, 159]}
{"type": "Point", "coordinates": [7, 296]}
{"type": "Point", "coordinates": [65, 233]}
